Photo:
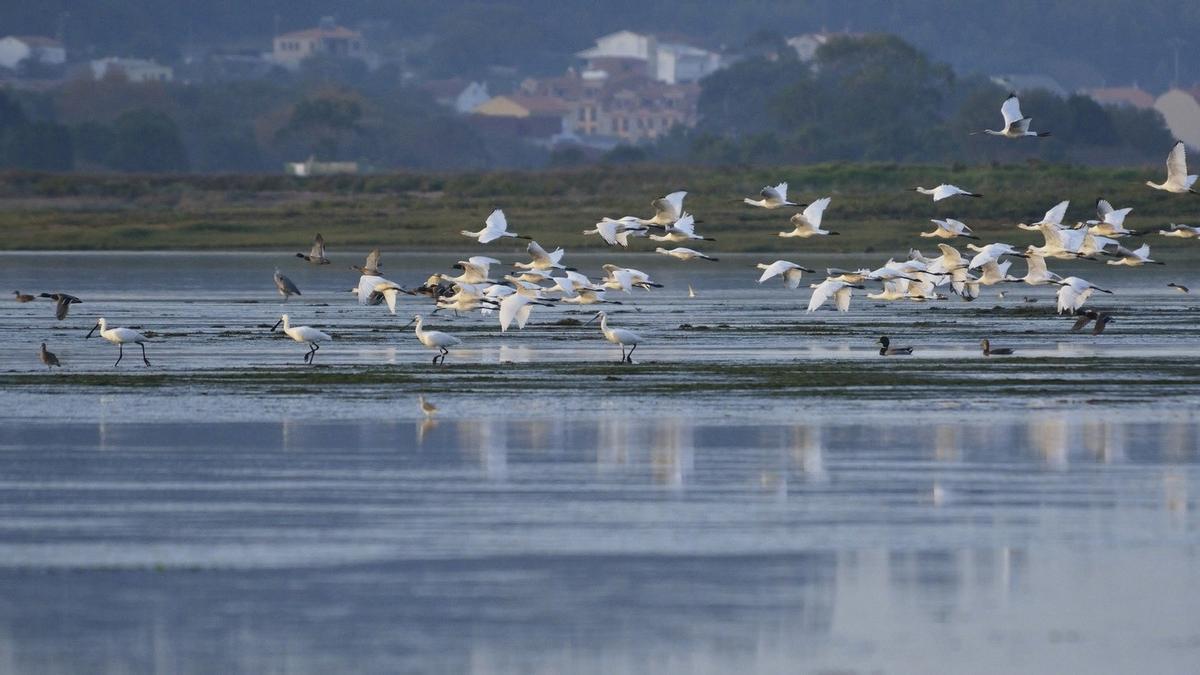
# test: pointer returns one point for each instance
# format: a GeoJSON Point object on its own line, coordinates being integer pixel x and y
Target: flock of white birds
{"type": "Point", "coordinates": [545, 281]}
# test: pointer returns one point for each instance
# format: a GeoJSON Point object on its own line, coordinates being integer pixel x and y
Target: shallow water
{"type": "Point", "coordinates": [534, 526]}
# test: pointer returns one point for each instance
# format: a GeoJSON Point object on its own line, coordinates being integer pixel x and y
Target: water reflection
{"type": "Point", "coordinates": [616, 543]}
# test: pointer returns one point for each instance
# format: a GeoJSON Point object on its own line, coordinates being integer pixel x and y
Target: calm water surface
{"type": "Point", "coordinates": [602, 532]}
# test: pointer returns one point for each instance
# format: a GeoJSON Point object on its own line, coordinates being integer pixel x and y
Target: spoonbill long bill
{"type": "Point", "coordinates": [772, 198]}
{"type": "Point", "coordinates": [945, 191]}
{"type": "Point", "coordinates": [495, 227]}
{"type": "Point", "coordinates": [618, 336]}
{"type": "Point", "coordinates": [303, 334]}
{"type": "Point", "coordinates": [434, 339]}
{"type": "Point", "coordinates": [119, 336]}
{"type": "Point", "coordinates": [1178, 180]}
{"type": "Point", "coordinates": [1016, 125]}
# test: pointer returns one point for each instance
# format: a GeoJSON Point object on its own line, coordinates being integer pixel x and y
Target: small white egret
{"type": "Point", "coordinates": [1178, 180]}
{"type": "Point", "coordinates": [434, 339]}
{"type": "Point", "coordinates": [303, 334]}
{"type": "Point", "coordinates": [119, 336]}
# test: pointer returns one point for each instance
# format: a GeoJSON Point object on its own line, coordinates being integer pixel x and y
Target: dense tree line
{"type": "Point", "coordinates": [878, 98]}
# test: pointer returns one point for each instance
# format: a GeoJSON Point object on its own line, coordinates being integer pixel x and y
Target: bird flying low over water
{"type": "Point", "coordinates": [371, 266]}
{"type": "Point", "coordinates": [1178, 180]}
{"type": "Point", "coordinates": [1102, 320]}
{"type": "Point", "coordinates": [790, 271]}
{"type": "Point", "coordinates": [682, 253]}
{"type": "Point", "coordinates": [667, 209]}
{"type": "Point", "coordinates": [832, 288]}
{"type": "Point", "coordinates": [495, 227]}
{"type": "Point", "coordinates": [317, 255]}
{"type": "Point", "coordinates": [1016, 125]}
{"type": "Point", "coordinates": [1181, 231]}
{"type": "Point", "coordinates": [945, 191]}
{"type": "Point", "coordinates": [62, 303]}
{"type": "Point", "coordinates": [949, 229]}
{"type": "Point", "coordinates": [772, 197]}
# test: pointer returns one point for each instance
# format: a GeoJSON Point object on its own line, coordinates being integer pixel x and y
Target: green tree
{"type": "Point", "coordinates": [145, 141]}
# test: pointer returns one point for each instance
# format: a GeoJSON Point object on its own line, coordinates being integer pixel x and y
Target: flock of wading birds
{"type": "Point", "coordinates": [544, 280]}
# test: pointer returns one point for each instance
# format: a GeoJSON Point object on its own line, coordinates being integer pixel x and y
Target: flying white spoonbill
{"type": "Point", "coordinates": [949, 229]}
{"type": "Point", "coordinates": [119, 336]}
{"type": "Point", "coordinates": [1073, 292]}
{"type": "Point", "coordinates": [682, 253]}
{"type": "Point", "coordinates": [832, 288]}
{"type": "Point", "coordinates": [496, 226]}
{"type": "Point", "coordinates": [790, 271]}
{"type": "Point", "coordinates": [1178, 180]}
{"type": "Point", "coordinates": [1016, 125]}
{"type": "Point", "coordinates": [945, 191]}
{"type": "Point", "coordinates": [772, 197]}
{"type": "Point", "coordinates": [808, 222]}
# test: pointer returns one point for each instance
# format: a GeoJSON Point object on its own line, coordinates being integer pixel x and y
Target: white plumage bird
{"type": "Point", "coordinates": [790, 271]}
{"type": "Point", "coordinates": [682, 253]}
{"type": "Point", "coordinates": [303, 334]}
{"type": "Point", "coordinates": [949, 229]}
{"type": "Point", "coordinates": [1178, 180]}
{"type": "Point", "coordinates": [1073, 292]}
{"type": "Point", "coordinates": [832, 288]}
{"type": "Point", "coordinates": [542, 260]}
{"type": "Point", "coordinates": [991, 253]}
{"type": "Point", "coordinates": [495, 227]}
{"type": "Point", "coordinates": [945, 191]}
{"type": "Point", "coordinates": [120, 336]}
{"type": "Point", "coordinates": [618, 336]}
{"type": "Point", "coordinates": [771, 197]}
{"type": "Point", "coordinates": [372, 290]}
{"type": "Point", "coordinates": [808, 222]}
{"type": "Point", "coordinates": [434, 339]}
{"type": "Point", "coordinates": [1016, 125]}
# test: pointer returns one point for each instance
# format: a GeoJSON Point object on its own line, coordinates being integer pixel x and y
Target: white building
{"type": "Point", "coordinates": [15, 49]}
{"type": "Point", "coordinates": [134, 70]}
{"type": "Point", "coordinates": [328, 39]}
{"type": "Point", "coordinates": [628, 52]}
{"type": "Point", "coordinates": [1182, 113]}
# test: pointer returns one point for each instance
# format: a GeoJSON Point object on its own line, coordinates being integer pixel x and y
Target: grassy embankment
{"type": "Point", "coordinates": [872, 207]}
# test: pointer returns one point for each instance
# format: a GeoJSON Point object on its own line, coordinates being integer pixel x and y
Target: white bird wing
{"type": "Point", "coordinates": [556, 256]}
{"type": "Point", "coordinates": [1177, 165]}
{"type": "Point", "coordinates": [950, 254]}
{"type": "Point", "coordinates": [1037, 265]}
{"type": "Point", "coordinates": [775, 269]}
{"type": "Point", "coordinates": [1103, 209]}
{"type": "Point", "coordinates": [538, 253]}
{"type": "Point", "coordinates": [1011, 109]}
{"type": "Point", "coordinates": [523, 314]}
{"type": "Point", "coordinates": [497, 221]}
{"type": "Point", "coordinates": [608, 231]}
{"type": "Point", "coordinates": [1055, 215]}
{"type": "Point", "coordinates": [842, 298]}
{"type": "Point", "coordinates": [669, 208]}
{"type": "Point", "coordinates": [781, 190]}
{"type": "Point", "coordinates": [390, 295]}
{"type": "Point", "coordinates": [1143, 251]}
{"type": "Point", "coordinates": [821, 293]}
{"type": "Point", "coordinates": [508, 309]}
{"type": "Point", "coordinates": [771, 194]}
{"type": "Point", "coordinates": [956, 226]}
{"type": "Point", "coordinates": [366, 286]}
{"type": "Point", "coordinates": [686, 224]}
{"type": "Point", "coordinates": [1116, 218]}
{"type": "Point", "coordinates": [815, 211]}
